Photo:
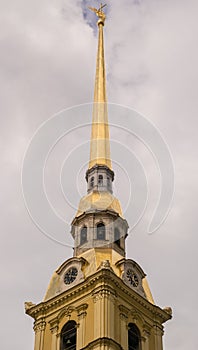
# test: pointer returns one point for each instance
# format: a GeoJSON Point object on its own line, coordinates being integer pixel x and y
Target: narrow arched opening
{"type": "Point", "coordinates": [101, 231]}
{"type": "Point", "coordinates": [92, 182]}
{"type": "Point", "coordinates": [83, 235]}
{"type": "Point", "coordinates": [68, 336]}
{"type": "Point", "coordinates": [134, 338]}
{"type": "Point", "coordinates": [117, 236]}
{"type": "Point", "coordinates": [100, 180]}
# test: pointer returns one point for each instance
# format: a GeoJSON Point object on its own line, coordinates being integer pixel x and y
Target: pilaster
{"type": "Point", "coordinates": [124, 312]}
{"type": "Point", "coordinates": [39, 328]}
{"type": "Point", "coordinates": [81, 313]}
{"type": "Point", "coordinates": [158, 333]}
{"type": "Point", "coordinates": [54, 331]}
{"type": "Point", "coordinates": [104, 312]}
{"type": "Point", "coordinates": [145, 339]}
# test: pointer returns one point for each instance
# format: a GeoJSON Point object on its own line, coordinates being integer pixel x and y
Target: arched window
{"type": "Point", "coordinates": [100, 180]}
{"type": "Point", "coordinates": [117, 236]}
{"type": "Point", "coordinates": [134, 339]}
{"type": "Point", "coordinates": [92, 182]}
{"type": "Point", "coordinates": [101, 231]}
{"type": "Point", "coordinates": [83, 235]}
{"type": "Point", "coordinates": [108, 182]}
{"type": "Point", "coordinates": [68, 336]}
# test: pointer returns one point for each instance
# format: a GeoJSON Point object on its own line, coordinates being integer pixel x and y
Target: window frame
{"type": "Point", "coordinates": [117, 240]}
{"type": "Point", "coordinates": [100, 227]}
{"type": "Point", "coordinates": [70, 330]}
{"type": "Point", "coordinates": [92, 180]}
{"type": "Point", "coordinates": [133, 330]}
{"type": "Point", "coordinates": [83, 240]}
{"type": "Point", "coordinates": [100, 180]}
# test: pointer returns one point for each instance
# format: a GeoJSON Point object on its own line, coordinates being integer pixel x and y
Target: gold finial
{"type": "Point", "coordinates": [99, 12]}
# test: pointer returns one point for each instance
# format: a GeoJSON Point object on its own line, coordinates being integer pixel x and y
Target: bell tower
{"type": "Point", "coordinates": [98, 299]}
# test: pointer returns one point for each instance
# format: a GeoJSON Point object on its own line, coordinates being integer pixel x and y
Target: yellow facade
{"type": "Point", "coordinates": [103, 297]}
{"type": "Point", "coordinates": [102, 307]}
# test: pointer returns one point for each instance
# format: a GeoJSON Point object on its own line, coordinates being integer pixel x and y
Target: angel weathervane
{"type": "Point", "coordinates": [99, 12]}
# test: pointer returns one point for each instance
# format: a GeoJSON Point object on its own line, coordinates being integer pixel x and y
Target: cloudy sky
{"type": "Point", "coordinates": [47, 64]}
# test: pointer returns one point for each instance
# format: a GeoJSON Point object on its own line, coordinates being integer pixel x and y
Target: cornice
{"type": "Point", "coordinates": [99, 166]}
{"type": "Point", "coordinates": [96, 212]}
{"type": "Point", "coordinates": [70, 261]}
{"type": "Point", "coordinates": [110, 281]}
{"type": "Point", "coordinates": [133, 263]}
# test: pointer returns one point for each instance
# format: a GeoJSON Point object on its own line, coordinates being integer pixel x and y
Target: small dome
{"type": "Point", "coordinates": [99, 201]}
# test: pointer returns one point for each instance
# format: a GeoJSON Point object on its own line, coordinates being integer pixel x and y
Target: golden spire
{"type": "Point", "coordinates": [100, 145]}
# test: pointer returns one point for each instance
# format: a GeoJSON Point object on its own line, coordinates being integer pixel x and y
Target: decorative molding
{"type": "Point", "coordinates": [104, 291]}
{"type": "Point", "coordinates": [128, 265]}
{"type": "Point", "coordinates": [54, 330]}
{"type": "Point", "coordinates": [158, 330]}
{"type": "Point", "coordinates": [105, 342]}
{"type": "Point", "coordinates": [81, 311]}
{"type": "Point", "coordinates": [95, 213]}
{"type": "Point", "coordinates": [67, 311]}
{"type": "Point", "coordinates": [28, 305]}
{"type": "Point", "coordinates": [39, 325]}
{"type": "Point", "coordinates": [124, 311]}
{"type": "Point", "coordinates": [146, 331]}
{"type": "Point", "coordinates": [105, 264]}
{"type": "Point", "coordinates": [54, 325]}
{"type": "Point", "coordinates": [145, 337]}
{"type": "Point", "coordinates": [168, 310]}
{"type": "Point", "coordinates": [101, 276]}
{"type": "Point", "coordinates": [71, 262]}
{"type": "Point", "coordinates": [137, 317]}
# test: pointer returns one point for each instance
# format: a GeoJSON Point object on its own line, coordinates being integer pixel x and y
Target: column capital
{"type": "Point", "coordinates": [124, 311]}
{"type": "Point", "coordinates": [103, 292]}
{"type": "Point", "coordinates": [54, 329]}
{"type": "Point", "coordinates": [146, 333]}
{"type": "Point", "coordinates": [54, 322]}
{"type": "Point", "coordinates": [39, 325]}
{"type": "Point", "coordinates": [158, 329]}
{"type": "Point", "coordinates": [81, 311]}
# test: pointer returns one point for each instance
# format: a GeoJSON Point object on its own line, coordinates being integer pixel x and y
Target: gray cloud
{"type": "Point", "coordinates": [48, 63]}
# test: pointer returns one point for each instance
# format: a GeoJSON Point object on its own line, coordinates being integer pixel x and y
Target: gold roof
{"type": "Point", "coordinates": [100, 145]}
{"type": "Point", "coordinates": [100, 201]}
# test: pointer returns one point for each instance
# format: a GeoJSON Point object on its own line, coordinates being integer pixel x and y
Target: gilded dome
{"type": "Point", "coordinates": [99, 201]}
